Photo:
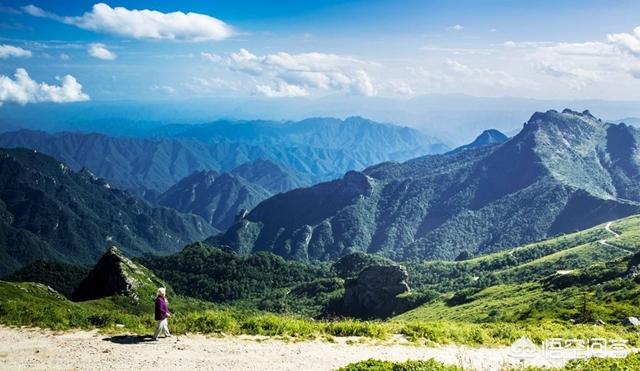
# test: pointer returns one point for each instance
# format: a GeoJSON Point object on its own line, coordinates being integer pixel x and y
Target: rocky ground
{"type": "Point", "coordinates": [39, 349]}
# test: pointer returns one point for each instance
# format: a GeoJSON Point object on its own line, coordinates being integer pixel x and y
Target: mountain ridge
{"type": "Point", "coordinates": [49, 212]}
{"type": "Point", "coordinates": [315, 149]}
{"type": "Point", "coordinates": [218, 198]}
{"type": "Point", "coordinates": [555, 176]}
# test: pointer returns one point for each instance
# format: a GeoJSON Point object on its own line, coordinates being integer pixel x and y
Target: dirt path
{"type": "Point", "coordinates": [608, 228]}
{"type": "Point", "coordinates": [604, 242]}
{"type": "Point", "coordinates": [39, 349]}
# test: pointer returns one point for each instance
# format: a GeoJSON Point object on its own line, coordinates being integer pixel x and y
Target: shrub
{"type": "Point", "coordinates": [376, 365]}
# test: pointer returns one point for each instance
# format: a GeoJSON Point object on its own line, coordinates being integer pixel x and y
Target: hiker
{"type": "Point", "coordinates": [162, 313]}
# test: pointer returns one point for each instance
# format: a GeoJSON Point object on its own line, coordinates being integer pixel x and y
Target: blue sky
{"type": "Point", "coordinates": [309, 49]}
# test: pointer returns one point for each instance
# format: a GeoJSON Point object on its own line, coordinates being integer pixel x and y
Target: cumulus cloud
{"type": "Point", "coordinates": [100, 51]}
{"type": "Point", "coordinates": [7, 51]}
{"type": "Point", "coordinates": [457, 27]}
{"type": "Point", "coordinates": [144, 23]}
{"type": "Point", "coordinates": [22, 90]}
{"type": "Point", "coordinates": [293, 75]}
{"type": "Point", "coordinates": [627, 42]}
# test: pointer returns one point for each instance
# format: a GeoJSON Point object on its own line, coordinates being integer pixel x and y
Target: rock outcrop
{"type": "Point", "coordinates": [374, 292]}
{"type": "Point", "coordinates": [115, 274]}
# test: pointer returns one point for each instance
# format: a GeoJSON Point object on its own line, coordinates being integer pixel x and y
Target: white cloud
{"type": "Point", "coordinates": [627, 42]}
{"type": "Point", "coordinates": [282, 90]}
{"type": "Point", "coordinates": [403, 88]}
{"type": "Point", "coordinates": [22, 90]}
{"type": "Point", "coordinates": [201, 85]}
{"type": "Point", "coordinates": [458, 67]}
{"type": "Point", "coordinates": [163, 89]}
{"type": "Point", "coordinates": [7, 51]}
{"type": "Point", "coordinates": [37, 12]}
{"type": "Point", "coordinates": [576, 77]}
{"type": "Point", "coordinates": [65, 57]}
{"type": "Point", "coordinates": [283, 74]}
{"type": "Point", "coordinates": [578, 65]}
{"type": "Point", "coordinates": [457, 27]}
{"type": "Point", "coordinates": [589, 48]}
{"type": "Point", "coordinates": [212, 85]}
{"type": "Point", "coordinates": [210, 57]}
{"type": "Point", "coordinates": [100, 51]}
{"type": "Point", "coordinates": [144, 23]}
{"type": "Point", "coordinates": [482, 76]}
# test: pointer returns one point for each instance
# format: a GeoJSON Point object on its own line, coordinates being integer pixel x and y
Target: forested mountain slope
{"type": "Point", "coordinates": [47, 211]}
{"type": "Point", "coordinates": [563, 172]}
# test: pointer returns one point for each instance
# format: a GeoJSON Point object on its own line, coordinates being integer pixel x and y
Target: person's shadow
{"type": "Point", "coordinates": [129, 339]}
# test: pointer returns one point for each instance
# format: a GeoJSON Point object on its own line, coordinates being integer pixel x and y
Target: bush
{"type": "Point", "coordinates": [376, 365]}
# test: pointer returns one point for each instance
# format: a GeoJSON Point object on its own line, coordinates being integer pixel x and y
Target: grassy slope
{"type": "Point", "coordinates": [522, 292]}
{"type": "Point", "coordinates": [539, 307]}
{"type": "Point", "coordinates": [29, 304]}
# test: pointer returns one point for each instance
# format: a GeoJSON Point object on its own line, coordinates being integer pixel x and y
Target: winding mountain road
{"type": "Point", "coordinates": [604, 242]}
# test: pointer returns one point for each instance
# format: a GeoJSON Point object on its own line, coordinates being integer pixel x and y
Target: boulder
{"type": "Point", "coordinates": [633, 272]}
{"type": "Point", "coordinates": [631, 322]}
{"type": "Point", "coordinates": [115, 274]}
{"type": "Point", "coordinates": [373, 293]}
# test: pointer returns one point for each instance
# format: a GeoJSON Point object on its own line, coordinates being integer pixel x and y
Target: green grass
{"type": "Point", "coordinates": [630, 363]}
{"type": "Point", "coordinates": [530, 262]}
{"type": "Point", "coordinates": [526, 289]}
{"type": "Point", "coordinates": [375, 365]}
{"type": "Point", "coordinates": [28, 304]}
{"type": "Point", "coordinates": [523, 300]}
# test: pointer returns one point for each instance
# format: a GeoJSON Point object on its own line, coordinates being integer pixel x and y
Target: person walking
{"type": "Point", "coordinates": [162, 314]}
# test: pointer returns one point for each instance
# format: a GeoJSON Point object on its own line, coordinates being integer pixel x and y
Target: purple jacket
{"type": "Point", "coordinates": [162, 310]}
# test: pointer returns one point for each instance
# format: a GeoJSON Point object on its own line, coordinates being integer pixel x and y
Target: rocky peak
{"type": "Point", "coordinates": [115, 274]}
{"type": "Point", "coordinates": [487, 138]}
{"type": "Point", "coordinates": [490, 136]}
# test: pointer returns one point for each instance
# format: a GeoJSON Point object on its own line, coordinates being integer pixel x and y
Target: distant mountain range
{"type": "Point", "coordinates": [49, 212]}
{"type": "Point", "coordinates": [563, 172]}
{"type": "Point", "coordinates": [313, 149]}
{"type": "Point", "coordinates": [218, 198]}
{"type": "Point", "coordinates": [455, 118]}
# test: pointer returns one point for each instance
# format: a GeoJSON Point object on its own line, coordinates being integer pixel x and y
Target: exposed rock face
{"type": "Point", "coordinates": [631, 322]}
{"type": "Point", "coordinates": [115, 274]}
{"type": "Point", "coordinates": [633, 272]}
{"type": "Point", "coordinates": [373, 293]}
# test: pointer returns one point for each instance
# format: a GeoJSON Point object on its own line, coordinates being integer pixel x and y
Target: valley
{"type": "Point", "coordinates": [320, 185]}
